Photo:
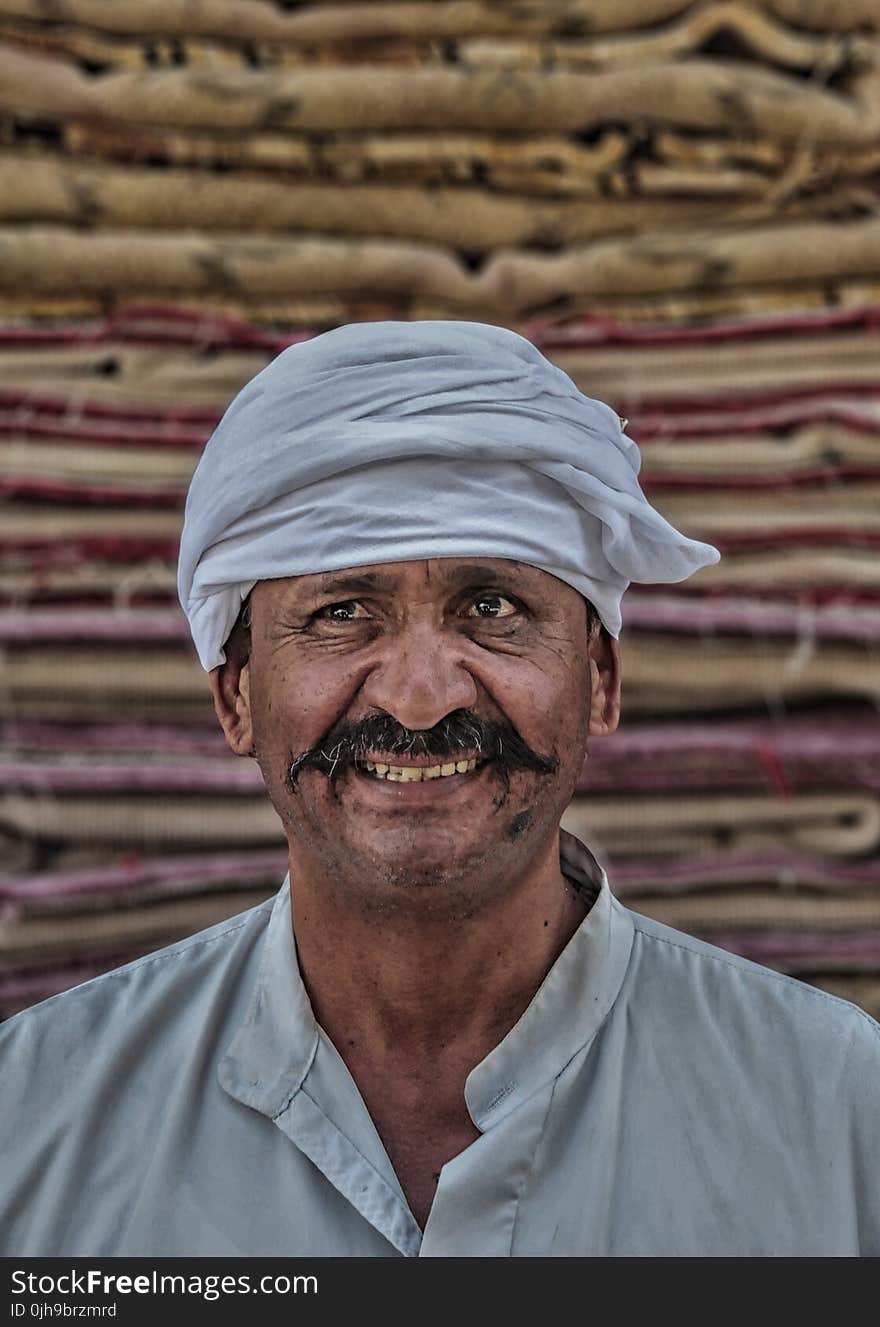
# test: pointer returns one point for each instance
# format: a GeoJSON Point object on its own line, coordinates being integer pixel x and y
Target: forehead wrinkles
{"type": "Point", "coordinates": [391, 577]}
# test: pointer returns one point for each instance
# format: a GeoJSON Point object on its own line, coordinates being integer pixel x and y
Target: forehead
{"type": "Point", "coordinates": [433, 574]}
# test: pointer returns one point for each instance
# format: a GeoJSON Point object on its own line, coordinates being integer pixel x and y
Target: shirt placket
{"type": "Point", "coordinates": [474, 1212]}
{"type": "Point", "coordinates": [349, 1171]}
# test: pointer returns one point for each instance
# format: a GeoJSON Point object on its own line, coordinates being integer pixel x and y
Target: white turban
{"type": "Point", "coordinates": [395, 441]}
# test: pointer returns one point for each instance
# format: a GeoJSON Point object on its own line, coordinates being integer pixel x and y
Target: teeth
{"type": "Point", "coordinates": [413, 774]}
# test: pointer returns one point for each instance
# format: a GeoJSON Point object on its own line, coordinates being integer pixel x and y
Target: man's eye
{"type": "Point", "coordinates": [489, 606]}
{"type": "Point", "coordinates": [340, 612]}
{"type": "Point", "coordinates": [492, 602]}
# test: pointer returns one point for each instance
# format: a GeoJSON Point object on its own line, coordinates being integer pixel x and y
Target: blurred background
{"type": "Point", "coordinates": [677, 202]}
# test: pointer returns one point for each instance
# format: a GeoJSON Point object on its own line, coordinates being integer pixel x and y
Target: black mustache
{"type": "Point", "coordinates": [459, 734]}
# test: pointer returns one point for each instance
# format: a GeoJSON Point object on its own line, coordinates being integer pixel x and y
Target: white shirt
{"type": "Point", "coordinates": [659, 1097]}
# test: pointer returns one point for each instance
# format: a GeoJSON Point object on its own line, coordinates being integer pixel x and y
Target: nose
{"type": "Point", "coordinates": [420, 677]}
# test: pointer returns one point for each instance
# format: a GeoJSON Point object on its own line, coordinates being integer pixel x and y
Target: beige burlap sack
{"type": "Point", "coordinates": [706, 305]}
{"type": "Point", "coordinates": [54, 708]}
{"type": "Point", "coordinates": [139, 263]}
{"type": "Point", "coordinates": [140, 467]}
{"type": "Point", "coordinates": [764, 454]}
{"type": "Point", "coordinates": [45, 307]}
{"type": "Point", "coordinates": [662, 844]}
{"type": "Point", "coordinates": [698, 94]}
{"type": "Point", "coordinates": [547, 164]}
{"type": "Point", "coordinates": [100, 672]}
{"type": "Point", "coordinates": [781, 166]}
{"type": "Point", "coordinates": [523, 160]}
{"type": "Point", "coordinates": [729, 670]}
{"type": "Point", "coordinates": [157, 878]}
{"type": "Point", "coordinates": [266, 152]}
{"type": "Point", "coordinates": [110, 582]}
{"type": "Point", "coordinates": [51, 189]}
{"type": "Point", "coordinates": [679, 702]}
{"type": "Point", "coordinates": [846, 507]}
{"type": "Point", "coordinates": [317, 312]}
{"type": "Point", "coordinates": [149, 375]}
{"type": "Point", "coordinates": [337, 23]}
{"type": "Point", "coordinates": [44, 940]}
{"type": "Point", "coordinates": [52, 261]}
{"type": "Point", "coordinates": [796, 253]}
{"type": "Point", "coordinates": [91, 49]}
{"type": "Point", "coordinates": [16, 854]}
{"type": "Point", "coordinates": [827, 15]}
{"type": "Point", "coordinates": [735, 910]}
{"type": "Point", "coordinates": [633, 825]}
{"type": "Point", "coordinates": [37, 523]}
{"type": "Point", "coordinates": [759, 35]}
{"type": "Point", "coordinates": [163, 823]}
{"type": "Point", "coordinates": [744, 364]}
{"type": "Point", "coordinates": [331, 22]}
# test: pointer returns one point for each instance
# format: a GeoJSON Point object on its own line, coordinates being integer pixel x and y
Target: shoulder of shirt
{"type": "Point", "coordinates": [160, 968]}
{"type": "Point", "coordinates": [755, 980]}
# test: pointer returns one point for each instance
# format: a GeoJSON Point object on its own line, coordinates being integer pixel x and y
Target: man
{"type": "Point", "coordinates": [403, 559]}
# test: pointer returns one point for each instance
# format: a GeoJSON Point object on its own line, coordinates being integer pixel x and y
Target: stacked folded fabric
{"type": "Point", "coordinates": [753, 689]}
{"type": "Point", "coordinates": [427, 159]}
{"type": "Point", "coordinates": [676, 201]}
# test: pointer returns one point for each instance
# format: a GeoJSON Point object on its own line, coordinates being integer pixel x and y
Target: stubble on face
{"type": "Point", "coordinates": [380, 855]}
{"type": "Point", "coordinates": [432, 846]}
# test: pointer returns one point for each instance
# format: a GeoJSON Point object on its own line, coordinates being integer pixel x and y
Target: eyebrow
{"type": "Point", "coordinates": [470, 574]}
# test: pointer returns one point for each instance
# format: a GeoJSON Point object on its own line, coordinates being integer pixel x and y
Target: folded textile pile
{"type": "Point", "coordinates": [482, 160]}
{"type": "Point", "coordinates": [677, 202]}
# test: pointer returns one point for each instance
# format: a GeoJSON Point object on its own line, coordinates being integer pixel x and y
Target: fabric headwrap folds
{"type": "Point", "coordinates": [394, 441]}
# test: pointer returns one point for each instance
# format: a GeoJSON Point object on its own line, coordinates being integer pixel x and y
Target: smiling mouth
{"type": "Point", "coordinates": [417, 773]}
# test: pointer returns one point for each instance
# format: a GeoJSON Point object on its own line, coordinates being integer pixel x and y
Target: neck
{"type": "Point", "coordinates": [394, 986]}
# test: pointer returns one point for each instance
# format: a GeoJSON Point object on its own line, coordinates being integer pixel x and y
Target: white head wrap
{"type": "Point", "coordinates": [394, 441]}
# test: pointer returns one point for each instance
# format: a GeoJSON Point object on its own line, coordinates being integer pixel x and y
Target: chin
{"type": "Point", "coordinates": [420, 866]}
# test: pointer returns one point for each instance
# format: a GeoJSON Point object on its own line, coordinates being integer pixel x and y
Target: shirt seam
{"type": "Point", "coordinates": [530, 1170]}
{"type": "Point", "coordinates": [300, 1087]}
{"type": "Point", "coordinates": [767, 973]}
{"type": "Point", "coordinates": [398, 1198]}
{"type": "Point", "coordinates": [148, 960]}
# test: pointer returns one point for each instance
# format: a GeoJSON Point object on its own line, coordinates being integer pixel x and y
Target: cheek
{"type": "Point", "coordinates": [294, 705]}
{"type": "Point", "coordinates": [554, 699]}
{"type": "Point", "coordinates": [286, 707]}
{"type": "Point", "coordinates": [561, 711]}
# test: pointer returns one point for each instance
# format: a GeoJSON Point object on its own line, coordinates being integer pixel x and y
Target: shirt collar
{"type": "Point", "coordinates": [569, 1006]}
{"type": "Point", "coordinates": [273, 1050]}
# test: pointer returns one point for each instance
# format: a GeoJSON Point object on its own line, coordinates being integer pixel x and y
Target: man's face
{"type": "Point", "coordinates": [415, 665]}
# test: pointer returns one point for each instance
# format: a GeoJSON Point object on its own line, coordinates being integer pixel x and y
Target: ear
{"type": "Point", "coordinates": [230, 687]}
{"type": "Point", "coordinates": [604, 655]}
